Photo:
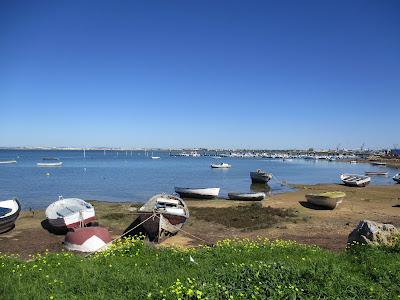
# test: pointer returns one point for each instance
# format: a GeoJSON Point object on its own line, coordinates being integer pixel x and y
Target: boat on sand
{"type": "Point", "coordinates": [247, 196]}
{"type": "Point", "coordinates": [220, 166]}
{"type": "Point", "coordinates": [397, 177]}
{"type": "Point", "coordinates": [54, 164]}
{"type": "Point", "coordinates": [163, 216]}
{"type": "Point", "coordinates": [329, 200]}
{"type": "Point", "coordinates": [203, 193]}
{"type": "Point", "coordinates": [9, 212]}
{"type": "Point", "coordinates": [355, 180]}
{"type": "Point", "coordinates": [70, 213]}
{"type": "Point", "coordinates": [87, 239]}
{"type": "Point", "coordinates": [260, 176]}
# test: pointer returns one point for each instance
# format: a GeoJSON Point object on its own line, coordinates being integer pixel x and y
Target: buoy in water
{"type": "Point", "coordinates": [48, 174]}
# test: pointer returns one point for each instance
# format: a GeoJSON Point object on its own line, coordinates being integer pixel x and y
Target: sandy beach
{"type": "Point", "coordinates": [284, 216]}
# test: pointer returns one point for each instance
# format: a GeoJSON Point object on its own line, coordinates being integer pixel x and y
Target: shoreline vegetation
{"type": "Point", "coordinates": [278, 248]}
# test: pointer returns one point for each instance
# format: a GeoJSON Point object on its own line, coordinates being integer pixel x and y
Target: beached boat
{"type": "Point", "coordinates": [397, 178]}
{"type": "Point", "coordinates": [220, 166]}
{"type": "Point", "coordinates": [168, 213]}
{"type": "Point", "coordinates": [9, 212]}
{"type": "Point", "coordinates": [204, 193]}
{"type": "Point", "coordinates": [55, 164]}
{"type": "Point", "coordinates": [328, 200]}
{"type": "Point", "coordinates": [378, 163]}
{"type": "Point", "coordinates": [70, 213]}
{"type": "Point", "coordinates": [355, 180]}
{"type": "Point", "coordinates": [260, 176]}
{"type": "Point", "coordinates": [246, 196]}
{"type": "Point", "coordinates": [376, 173]}
{"type": "Point", "coordinates": [87, 239]}
{"type": "Point", "coordinates": [4, 162]}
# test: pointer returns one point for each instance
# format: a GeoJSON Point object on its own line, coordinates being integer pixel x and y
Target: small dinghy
{"type": "Point", "coordinates": [355, 180]}
{"type": "Point", "coordinates": [6, 162]}
{"type": "Point", "coordinates": [247, 196]}
{"type": "Point", "coordinates": [155, 157]}
{"type": "Point", "coordinates": [378, 163]}
{"type": "Point", "coordinates": [397, 178]}
{"type": "Point", "coordinates": [167, 215]}
{"type": "Point", "coordinates": [376, 173]}
{"type": "Point", "coordinates": [70, 213]}
{"type": "Point", "coordinates": [220, 166]}
{"type": "Point", "coordinates": [50, 158]}
{"type": "Point", "coordinates": [353, 162]}
{"type": "Point", "coordinates": [9, 212]}
{"type": "Point", "coordinates": [55, 164]}
{"type": "Point", "coordinates": [329, 200]}
{"type": "Point", "coordinates": [260, 176]}
{"type": "Point", "coordinates": [87, 239]}
{"type": "Point", "coordinates": [203, 193]}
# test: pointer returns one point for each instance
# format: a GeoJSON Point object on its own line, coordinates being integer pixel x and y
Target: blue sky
{"type": "Point", "coordinates": [245, 74]}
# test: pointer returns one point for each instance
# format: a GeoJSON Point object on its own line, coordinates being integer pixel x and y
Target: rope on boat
{"type": "Point", "coordinates": [281, 182]}
{"type": "Point", "coordinates": [125, 233]}
{"type": "Point", "coordinates": [196, 237]}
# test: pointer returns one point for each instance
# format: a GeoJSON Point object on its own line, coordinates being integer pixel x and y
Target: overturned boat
{"type": "Point", "coordinates": [48, 165]}
{"type": "Point", "coordinates": [329, 200]}
{"type": "Point", "coordinates": [355, 180]}
{"type": "Point", "coordinates": [163, 216]}
{"type": "Point", "coordinates": [221, 166]}
{"type": "Point", "coordinates": [70, 213]}
{"type": "Point", "coordinates": [87, 239]}
{"type": "Point", "coordinates": [247, 196]}
{"type": "Point", "coordinates": [397, 177]}
{"type": "Point", "coordinates": [9, 212]}
{"type": "Point", "coordinates": [260, 176]}
{"type": "Point", "coordinates": [203, 193]}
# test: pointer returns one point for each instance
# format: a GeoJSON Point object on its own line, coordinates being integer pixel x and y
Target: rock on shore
{"type": "Point", "coordinates": [370, 232]}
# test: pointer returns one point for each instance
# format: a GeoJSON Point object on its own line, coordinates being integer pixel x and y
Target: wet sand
{"type": "Point", "coordinates": [326, 228]}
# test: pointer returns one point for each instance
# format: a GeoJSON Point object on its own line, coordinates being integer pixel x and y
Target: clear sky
{"type": "Point", "coordinates": [246, 74]}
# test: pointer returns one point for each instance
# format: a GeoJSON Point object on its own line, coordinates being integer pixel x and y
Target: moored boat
{"type": "Point", "coordinates": [70, 213]}
{"type": "Point", "coordinates": [163, 216]}
{"type": "Point", "coordinates": [397, 177]}
{"type": "Point", "coordinates": [9, 212]}
{"type": "Point", "coordinates": [87, 239]}
{"type": "Point", "coordinates": [247, 196]}
{"type": "Point", "coordinates": [355, 180]}
{"type": "Point", "coordinates": [204, 193]}
{"type": "Point", "coordinates": [155, 157]}
{"type": "Point", "coordinates": [376, 173]}
{"type": "Point", "coordinates": [220, 166]}
{"type": "Point", "coordinates": [329, 200]}
{"type": "Point", "coordinates": [50, 158]}
{"type": "Point", "coordinates": [378, 163]}
{"type": "Point", "coordinates": [260, 176]}
{"type": "Point", "coordinates": [4, 162]}
{"type": "Point", "coordinates": [55, 164]}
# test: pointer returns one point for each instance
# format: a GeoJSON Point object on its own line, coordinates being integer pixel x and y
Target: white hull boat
{"type": "Point", "coordinates": [203, 193]}
{"type": "Point", "coordinates": [155, 157]}
{"type": "Point", "coordinates": [55, 164]}
{"type": "Point", "coordinates": [397, 178]}
{"type": "Point", "coordinates": [246, 196]}
{"type": "Point", "coordinates": [221, 166]}
{"type": "Point", "coordinates": [163, 216]}
{"type": "Point", "coordinates": [87, 239]}
{"type": "Point", "coordinates": [329, 200]}
{"type": "Point", "coordinates": [355, 180]}
{"type": "Point", "coordinates": [9, 212]}
{"type": "Point", "coordinates": [260, 176]}
{"type": "Point", "coordinates": [378, 163]}
{"type": "Point", "coordinates": [70, 213]}
{"type": "Point", "coordinates": [6, 162]}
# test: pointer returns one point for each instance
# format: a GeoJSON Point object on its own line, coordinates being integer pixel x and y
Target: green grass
{"type": "Point", "coordinates": [229, 270]}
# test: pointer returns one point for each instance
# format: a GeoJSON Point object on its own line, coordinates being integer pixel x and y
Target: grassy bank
{"type": "Point", "coordinates": [229, 270]}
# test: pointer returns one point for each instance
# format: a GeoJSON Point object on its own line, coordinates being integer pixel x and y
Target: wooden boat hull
{"type": "Point", "coordinates": [87, 239]}
{"type": "Point", "coordinates": [326, 202]}
{"type": "Point", "coordinates": [260, 177]}
{"type": "Point", "coordinates": [246, 196]}
{"type": "Point", "coordinates": [201, 193]}
{"type": "Point", "coordinates": [8, 221]}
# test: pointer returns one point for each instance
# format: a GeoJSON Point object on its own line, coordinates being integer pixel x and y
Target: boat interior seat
{"type": "Point", "coordinates": [4, 211]}
{"type": "Point", "coordinates": [66, 211]}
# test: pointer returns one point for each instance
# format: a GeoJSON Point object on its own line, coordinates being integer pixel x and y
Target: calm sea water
{"type": "Point", "coordinates": [121, 176]}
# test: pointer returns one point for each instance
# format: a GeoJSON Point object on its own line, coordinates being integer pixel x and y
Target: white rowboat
{"type": "Point", "coordinates": [247, 196]}
{"type": "Point", "coordinates": [70, 213]}
{"type": "Point", "coordinates": [221, 166]}
{"type": "Point", "coordinates": [355, 180]}
{"type": "Point", "coordinates": [8, 162]}
{"type": "Point", "coordinates": [9, 212]}
{"type": "Point", "coordinates": [397, 178]}
{"type": "Point", "coordinates": [56, 164]}
{"type": "Point", "coordinates": [204, 193]}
